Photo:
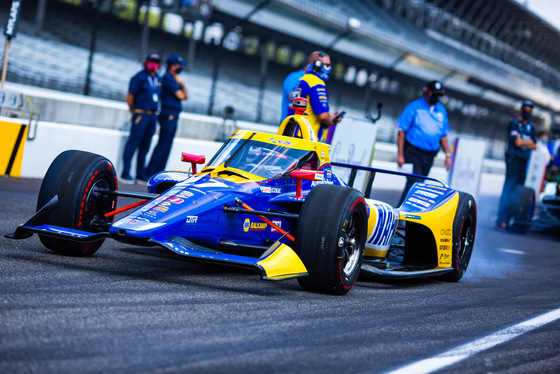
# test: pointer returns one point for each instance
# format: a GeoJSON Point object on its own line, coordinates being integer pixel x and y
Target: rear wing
{"type": "Point", "coordinates": [371, 172]}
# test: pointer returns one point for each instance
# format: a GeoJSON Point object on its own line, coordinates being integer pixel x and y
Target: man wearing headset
{"type": "Point", "coordinates": [142, 98]}
{"type": "Point", "coordinates": [423, 129]}
{"type": "Point", "coordinates": [312, 87]}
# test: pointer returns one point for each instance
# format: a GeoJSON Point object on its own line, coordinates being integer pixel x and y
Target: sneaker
{"type": "Point", "coordinates": [127, 179]}
{"type": "Point", "coordinates": [501, 226]}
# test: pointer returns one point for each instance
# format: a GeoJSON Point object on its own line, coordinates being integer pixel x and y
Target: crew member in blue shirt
{"type": "Point", "coordinates": [287, 87]}
{"type": "Point", "coordinates": [522, 139]}
{"type": "Point", "coordinates": [142, 98]}
{"type": "Point", "coordinates": [172, 93]}
{"type": "Point", "coordinates": [312, 87]}
{"type": "Point", "coordinates": [423, 127]}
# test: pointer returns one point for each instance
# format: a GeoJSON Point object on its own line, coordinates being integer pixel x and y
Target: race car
{"type": "Point", "coordinates": [269, 202]}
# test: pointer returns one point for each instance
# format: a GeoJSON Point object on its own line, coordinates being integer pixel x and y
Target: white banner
{"type": "Point", "coordinates": [467, 165]}
{"type": "Point", "coordinates": [536, 168]}
{"type": "Point", "coordinates": [353, 143]}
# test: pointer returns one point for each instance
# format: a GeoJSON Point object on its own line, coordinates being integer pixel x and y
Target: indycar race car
{"type": "Point", "coordinates": [270, 202]}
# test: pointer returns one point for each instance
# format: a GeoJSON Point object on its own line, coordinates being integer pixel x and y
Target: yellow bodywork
{"type": "Point", "coordinates": [280, 262]}
{"type": "Point", "coordinates": [439, 221]}
{"type": "Point", "coordinates": [305, 129]}
{"type": "Point", "coordinates": [9, 133]}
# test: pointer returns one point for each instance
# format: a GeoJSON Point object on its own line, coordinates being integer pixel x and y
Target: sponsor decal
{"type": "Point", "coordinates": [322, 97]}
{"type": "Point", "coordinates": [191, 219]}
{"type": "Point", "coordinates": [427, 194]}
{"type": "Point", "coordinates": [421, 208]}
{"type": "Point", "coordinates": [185, 194]}
{"type": "Point", "coordinates": [150, 213]}
{"type": "Point", "coordinates": [285, 142]}
{"type": "Point", "coordinates": [443, 256]}
{"type": "Point", "coordinates": [385, 227]}
{"type": "Point", "coordinates": [175, 200]}
{"type": "Point", "coordinates": [248, 225]}
{"type": "Point", "coordinates": [446, 232]}
{"type": "Point", "coordinates": [445, 240]}
{"type": "Point", "coordinates": [417, 201]}
{"type": "Point", "coordinates": [329, 174]}
{"type": "Point", "coordinates": [316, 183]}
{"type": "Point", "coordinates": [258, 226]}
{"type": "Point", "coordinates": [277, 223]}
{"type": "Point", "coordinates": [271, 190]}
{"type": "Point", "coordinates": [412, 216]}
{"type": "Point", "coordinates": [444, 247]}
{"type": "Point", "coordinates": [272, 140]}
{"type": "Point", "coordinates": [322, 155]}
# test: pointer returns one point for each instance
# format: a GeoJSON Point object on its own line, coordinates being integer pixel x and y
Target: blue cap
{"type": "Point", "coordinates": [527, 103]}
{"type": "Point", "coordinates": [152, 56]}
{"type": "Point", "coordinates": [175, 59]}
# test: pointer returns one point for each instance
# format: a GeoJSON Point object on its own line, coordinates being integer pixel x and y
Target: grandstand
{"type": "Point", "coordinates": [490, 55]}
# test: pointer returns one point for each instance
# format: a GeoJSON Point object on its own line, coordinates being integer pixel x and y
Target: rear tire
{"type": "Point", "coordinates": [464, 230]}
{"type": "Point", "coordinates": [330, 238]}
{"type": "Point", "coordinates": [523, 210]}
{"type": "Point", "coordinates": [75, 177]}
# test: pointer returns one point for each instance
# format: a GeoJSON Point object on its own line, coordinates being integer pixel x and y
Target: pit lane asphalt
{"type": "Point", "coordinates": [145, 310]}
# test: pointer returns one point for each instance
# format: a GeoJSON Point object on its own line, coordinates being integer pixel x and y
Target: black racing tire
{"type": "Point", "coordinates": [523, 210]}
{"type": "Point", "coordinates": [75, 177]}
{"type": "Point", "coordinates": [330, 238]}
{"type": "Point", "coordinates": [464, 231]}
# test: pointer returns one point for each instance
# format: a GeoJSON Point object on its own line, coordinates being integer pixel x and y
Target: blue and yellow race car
{"type": "Point", "coordinates": [270, 202]}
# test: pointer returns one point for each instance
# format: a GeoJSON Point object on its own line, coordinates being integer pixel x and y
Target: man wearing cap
{"type": "Point", "coordinates": [172, 93]}
{"type": "Point", "coordinates": [312, 87]}
{"type": "Point", "coordinates": [522, 138]}
{"type": "Point", "coordinates": [142, 98]}
{"type": "Point", "coordinates": [423, 129]}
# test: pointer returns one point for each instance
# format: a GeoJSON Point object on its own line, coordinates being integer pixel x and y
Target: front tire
{"type": "Point", "coordinates": [464, 230]}
{"type": "Point", "coordinates": [330, 238]}
{"type": "Point", "coordinates": [76, 177]}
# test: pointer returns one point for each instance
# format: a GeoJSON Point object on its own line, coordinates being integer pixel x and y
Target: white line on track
{"type": "Point", "coordinates": [467, 350]}
{"type": "Point", "coordinates": [514, 251]}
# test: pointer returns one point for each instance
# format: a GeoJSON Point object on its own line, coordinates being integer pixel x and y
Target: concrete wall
{"type": "Point", "coordinates": [54, 138]}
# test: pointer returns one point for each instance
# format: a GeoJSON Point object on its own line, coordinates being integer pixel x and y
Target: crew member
{"type": "Point", "coordinates": [312, 87]}
{"type": "Point", "coordinates": [522, 138]}
{"type": "Point", "coordinates": [142, 98]}
{"type": "Point", "coordinates": [423, 129]}
{"type": "Point", "coordinates": [291, 82]}
{"type": "Point", "coordinates": [172, 93]}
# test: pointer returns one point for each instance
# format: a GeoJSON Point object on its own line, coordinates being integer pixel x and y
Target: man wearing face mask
{"type": "Point", "coordinates": [312, 87]}
{"type": "Point", "coordinates": [142, 98]}
{"type": "Point", "coordinates": [172, 93]}
{"type": "Point", "coordinates": [522, 139]}
{"type": "Point", "coordinates": [423, 129]}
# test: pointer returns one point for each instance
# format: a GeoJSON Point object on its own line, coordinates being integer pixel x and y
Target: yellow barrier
{"type": "Point", "coordinates": [12, 142]}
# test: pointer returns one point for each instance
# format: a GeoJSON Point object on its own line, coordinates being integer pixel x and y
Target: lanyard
{"type": "Point", "coordinates": [153, 82]}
